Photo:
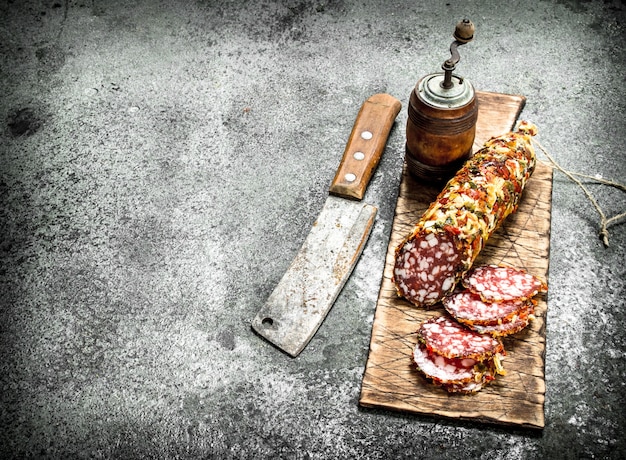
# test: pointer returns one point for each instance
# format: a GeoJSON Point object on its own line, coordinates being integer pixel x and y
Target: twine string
{"type": "Point", "coordinates": [604, 221]}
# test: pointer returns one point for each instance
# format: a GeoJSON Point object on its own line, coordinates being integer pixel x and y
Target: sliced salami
{"type": "Point", "coordinates": [444, 336]}
{"type": "Point", "coordinates": [441, 369]}
{"type": "Point", "coordinates": [469, 309]}
{"type": "Point", "coordinates": [450, 234]}
{"type": "Point", "coordinates": [494, 283]}
{"type": "Point", "coordinates": [455, 375]}
{"type": "Point", "coordinates": [470, 387]}
{"type": "Point", "coordinates": [512, 326]}
{"type": "Point", "coordinates": [456, 358]}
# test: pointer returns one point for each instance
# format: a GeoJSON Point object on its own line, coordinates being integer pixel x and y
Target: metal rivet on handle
{"type": "Point", "coordinates": [366, 135]}
{"type": "Point", "coordinates": [350, 177]}
{"type": "Point", "coordinates": [359, 156]}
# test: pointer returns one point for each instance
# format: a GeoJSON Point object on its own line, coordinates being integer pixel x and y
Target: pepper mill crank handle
{"type": "Point", "coordinates": [463, 33]}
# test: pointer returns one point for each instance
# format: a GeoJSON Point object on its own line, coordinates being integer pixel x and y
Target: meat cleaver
{"type": "Point", "coordinates": [303, 297]}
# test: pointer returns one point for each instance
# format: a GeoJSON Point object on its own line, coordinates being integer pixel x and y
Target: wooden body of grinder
{"type": "Point", "coordinates": [442, 116]}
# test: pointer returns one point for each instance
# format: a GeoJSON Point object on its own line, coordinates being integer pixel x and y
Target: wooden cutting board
{"type": "Point", "coordinates": [390, 380]}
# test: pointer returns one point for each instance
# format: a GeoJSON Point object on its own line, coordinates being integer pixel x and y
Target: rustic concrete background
{"type": "Point", "coordinates": [161, 163]}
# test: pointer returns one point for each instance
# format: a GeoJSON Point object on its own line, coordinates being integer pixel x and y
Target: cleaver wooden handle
{"type": "Point", "coordinates": [365, 146]}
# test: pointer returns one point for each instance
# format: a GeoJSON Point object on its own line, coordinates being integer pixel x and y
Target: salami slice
{"type": "Point", "coordinates": [443, 245]}
{"type": "Point", "coordinates": [470, 387]}
{"type": "Point", "coordinates": [469, 309]}
{"type": "Point", "coordinates": [441, 369]}
{"type": "Point", "coordinates": [456, 358]}
{"type": "Point", "coordinates": [455, 375]}
{"type": "Point", "coordinates": [501, 283]}
{"type": "Point", "coordinates": [514, 325]}
{"type": "Point", "coordinates": [445, 337]}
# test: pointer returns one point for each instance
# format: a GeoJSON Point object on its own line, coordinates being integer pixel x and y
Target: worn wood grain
{"type": "Point", "coordinates": [390, 380]}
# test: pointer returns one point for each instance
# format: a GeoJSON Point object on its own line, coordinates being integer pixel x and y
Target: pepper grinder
{"type": "Point", "coordinates": [442, 116]}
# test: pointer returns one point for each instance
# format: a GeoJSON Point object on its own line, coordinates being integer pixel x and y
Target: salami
{"type": "Point", "coordinates": [456, 358]}
{"type": "Point", "coordinates": [469, 309]}
{"type": "Point", "coordinates": [441, 369]}
{"type": "Point", "coordinates": [502, 283]}
{"type": "Point", "coordinates": [511, 326]}
{"type": "Point", "coordinates": [448, 338]}
{"type": "Point", "coordinates": [455, 375]}
{"type": "Point", "coordinates": [443, 245]}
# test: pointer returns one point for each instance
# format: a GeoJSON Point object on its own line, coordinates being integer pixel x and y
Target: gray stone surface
{"type": "Point", "coordinates": [162, 161]}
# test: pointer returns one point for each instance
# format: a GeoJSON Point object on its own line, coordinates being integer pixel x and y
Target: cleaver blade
{"type": "Point", "coordinates": [303, 297]}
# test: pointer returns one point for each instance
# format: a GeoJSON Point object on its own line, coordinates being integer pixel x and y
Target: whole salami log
{"type": "Point", "coordinates": [445, 242]}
